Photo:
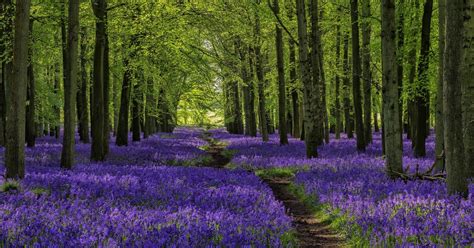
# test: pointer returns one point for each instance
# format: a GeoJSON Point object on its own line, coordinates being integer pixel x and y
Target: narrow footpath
{"type": "Point", "coordinates": [310, 231]}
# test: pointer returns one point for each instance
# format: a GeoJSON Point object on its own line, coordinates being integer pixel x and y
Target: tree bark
{"type": "Point", "coordinates": [337, 104]}
{"type": "Point", "coordinates": [366, 70]}
{"type": "Point", "coordinates": [83, 111]}
{"type": "Point", "coordinates": [346, 90]}
{"type": "Point", "coordinates": [261, 82]}
{"type": "Point", "coordinates": [67, 155]}
{"type": "Point", "coordinates": [16, 95]}
{"type": "Point", "coordinates": [310, 123]}
{"type": "Point", "coordinates": [391, 106]}
{"type": "Point", "coordinates": [30, 131]}
{"type": "Point", "coordinates": [468, 87]}
{"type": "Point", "coordinates": [98, 121]}
{"type": "Point", "coordinates": [136, 113]}
{"type": "Point", "coordinates": [439, 125]}
{"type": "Point", "coordinates": [253, 118]}
{"type": "Point", "coordinates": [452, 103]}
{"type": "Point", "coordinates": [282, 130]}
{"type": "Point", "coordinates": [421, 100]}
{"type": "Point", "coordinates": [356, 74]}
{"type": "Point", "coordinates": [295, 112]}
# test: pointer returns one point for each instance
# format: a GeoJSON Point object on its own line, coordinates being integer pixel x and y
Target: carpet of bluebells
{"type": "Point", "coordinates": [136, 199]}
{"type": "Point", "coordinates": [354, 186]}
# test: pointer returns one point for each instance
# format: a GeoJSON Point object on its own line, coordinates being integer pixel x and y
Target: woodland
{"type": "Point", "coordinates": [236, 123]}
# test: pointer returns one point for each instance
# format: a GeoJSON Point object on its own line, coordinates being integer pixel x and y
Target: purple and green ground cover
{"type": "Point", "coordinates": [375, 210]}
{"type": "Point", "coordinates": [133, 200]}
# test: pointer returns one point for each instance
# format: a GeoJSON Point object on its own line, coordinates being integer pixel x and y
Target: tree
{"type": "Point", "coordinates": [390, 98]}
{"type": "Point", "coordinates": [317, 88]}
{"type": "Point", "coordinates": [83, 113]}
{"type": "Point", "coordinates": [439, 127]}
{"type": "Point", "coordinates": [261, 81]}
{"type": "Point", "coordinates": [16, 94]}
{"type": "Point", "coordinates": [281, 79]}
{"type": "Point", "coordinates": [346, 90]}
{"type": "Point", "coordinates": [337, 104]}
{"type": "Point", "coordinates": [295, 112]}
{"type": "Point", "coordinates": [468, 87]}
{"type": "Point", "coordinates": [366, 70]}
{"type": "Point", "coordinates": [421, 100]}
{"type": "Point", "coordinates": [122, 130]}
{"type": "Point", "coordinates": [98, 120]}
{"type": "Point", "coordinates": [310, 127]}
{"type": "Point", "coordinates": [452, 103]}
{"type": "Point", "coordinates": [70, 87]}
{"type": "Point", "coordinates": [356, 74]}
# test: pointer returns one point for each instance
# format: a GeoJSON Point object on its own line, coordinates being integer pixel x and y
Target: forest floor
{"type": "Point", "coordinates": [310, 231]}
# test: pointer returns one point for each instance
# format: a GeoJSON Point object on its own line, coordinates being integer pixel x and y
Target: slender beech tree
{"type": "Point", "coordinates": [5, 30]}
{"type": "Point", "coordinates": [452, 102]}
{"type": "Point", "coordinates": [16, 94]}
{"type": "Point", "coordinates": [421, 100]}
{"type": "Point", "coordinates": [439, 127]}
{"type": "Point", "coordinates": [317, 80]}
{"type": "Point", "coordinates": [356, 75]}
{"type": "Point", "coordinates": [390, 98]}
{"type": "Point", "coordinates": [98, 122]}
{"type": "Point", "coordinates": [295, 103]}
{"type": "Point", "coordinates": [70, 87]}
{"type": "Point", "coordinates": [30, 132]}
{"type": "Point", "coordinates": [136, 109]}
{"type": "Point", "coordinates": [122, 129]}
{"type": "Point", "coordinates": [468, 87]}
{"type": "Point", "coordinates": [281, 79]}
{"type": "Point", "coordinates": [337, 104]}
{"type": "Point", "coordinates": [261, 81]}
{"type": "Point", "coordinates": [346, 90]}
{"type": "Point", "coordinates": [83, 110]}
{"type": "Point", "coordinates": [310, 131]}
{"type": "Point", "coordinates": [366, 70]}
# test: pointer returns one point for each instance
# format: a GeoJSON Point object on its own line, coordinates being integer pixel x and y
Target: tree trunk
{"type": "Point", "coordinates": [337, 104]}
{"type": "Point", "coordinates": [82, 96]}
{"type": "Point", "coordinates": [30, 131]}
{"type": "Point", "coordinates": [366, 70]}
{"type": "Point", "coordinates": [106, 135]}
{"type": "Point", "coordinates": [98, 121]}
{"type": "Point", "coordinates": [400, 54]}
{"type": "Point", "coordinates": [67, 155]}
{"type": "Point", "coordinates": [468, 87]}
{"type": "Point", "coordinates": [16, 95]}
{"type": "Point", "coordinates": [261, 82]}
{"type": "Point", "coordinates": [56, 109]}
{"type": "Point", "coordinates": [324, 109]}
{"type": "Point", "coordinates": [245, 86]}
{"type": "Point", "coordinates": [346, 90]}
{"type": "Point", "coordinates": [452, 102]}
{"type": "Point", "coordinates": [356, 73]}
{"type": "Point", "coordinates": [412, 54]}
{"type": "Point", "coordinates": [2, 103]}
{"type": "Point", "coordinates": [136, 113]}
{"type": "Point", "coordinates": [310, 125]}
{"type": "Point", "coordinates": [239, 126]}
{"type": "Point", "coordinates": [439, 125]}
{"type": "Point", "coordinates": [281, 79]}
{"type": "Point", "coordinates": [253, 119]}
{"type": "Point", "coordinates": [421, 100]}
{"type": "Point", "coordinates": [295, 112]}
{"type": "Point", "coordinates": [391, 106]}
{"type": "Point", "coordinates": [6, 29]}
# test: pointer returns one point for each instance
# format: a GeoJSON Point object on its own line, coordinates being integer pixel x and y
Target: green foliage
{"type": "Point", "coordinates": [10, 186]}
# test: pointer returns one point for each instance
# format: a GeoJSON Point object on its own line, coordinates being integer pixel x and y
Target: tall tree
{"type": "Point", "coordinates": [281, 79]}
{"type": "Point", "coordinates": [295, 103]}
{"type": "Point", "coordinates": [439, 127]}
{"type": "Point", "coordinates": [83, 110]}
{"type": "Point", "coordinates": [356, 74]}
{"type": "Point", "coordinates": [337, 104]}
{"type": "Point", "coordinates": [421, 100]}
{"type": "Point", "coordinates": [251, 85]}
{"type": "Point", "coordinates": [30, 124]}
{"type": "Point", "coordinates": [468, 87]}
{"type": "Point", "coordinates": [16, 94]}
{"type": "Point", "coordinates": [98, 122]}
{"type": "Point", "coordinates": [310, 125]}
{"type": "Point", "coordinates": [4, 30]}
{"type": "Point", "coordinates": [317, 81]}
{"type": "Point", "coordinates": [452, 102]}
{"type": "Point", "coordinates": [346, 90]}
{"type": "Point", "coordinates": [366, 70]}
{"type": "Point", "coordinates": [70, 87]}
{"type": "Point", "coordinates": [391, 106]}
{"type": "Point", "coordinates": [261, 81]}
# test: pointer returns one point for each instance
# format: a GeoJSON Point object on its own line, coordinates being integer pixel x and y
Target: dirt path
{"type": "Point", "coordinates": [310, 231]}
{"type": "Point", "coordinates": [214, 150]}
